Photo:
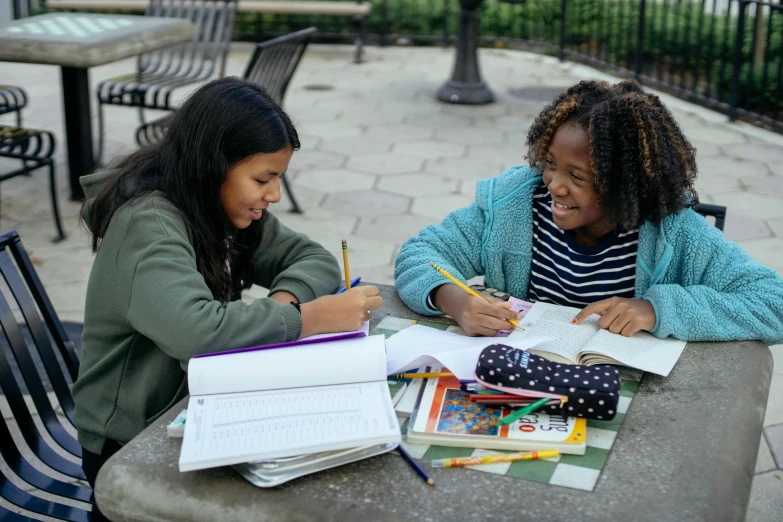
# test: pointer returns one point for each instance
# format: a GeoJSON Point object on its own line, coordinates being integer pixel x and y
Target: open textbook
{"type": "Point", "coordinates": [589, 344]}
{"type": "Point", "coordinates": [258, 405]}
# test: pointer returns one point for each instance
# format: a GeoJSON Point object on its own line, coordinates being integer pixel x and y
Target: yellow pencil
{"type": "Point", "coordinates": [467, 289]}
{"type": "Point", "coordinates": [423, 375]}
{"type": "Point", "coordinates": [346, 266]}
{"type": "Point", "coordinates": [493, 459]}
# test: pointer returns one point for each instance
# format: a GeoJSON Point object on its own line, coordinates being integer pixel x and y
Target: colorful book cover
{"type": "Point", "coordinates": [447, 416]}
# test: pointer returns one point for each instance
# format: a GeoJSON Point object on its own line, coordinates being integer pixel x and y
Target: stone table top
{"type": "Point", "coordinates": [686, 451]}
{"type": "Point", "coordinates": [86, 40]}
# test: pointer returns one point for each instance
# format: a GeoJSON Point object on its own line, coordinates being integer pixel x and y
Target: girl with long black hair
{"type": "Point", "coordinates": [179, 229]}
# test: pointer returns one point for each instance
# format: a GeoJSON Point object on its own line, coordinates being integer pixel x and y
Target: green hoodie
{"type": "Point", "coordinates": [148, 311]}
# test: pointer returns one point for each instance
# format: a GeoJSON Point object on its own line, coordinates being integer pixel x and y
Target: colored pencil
{"type": "Point", "coordinates": [508, 419]}
{"type": "Point", "coordinates": [469, 290]}
{"type": "Point", "coordinates": [415, 466]}
{"type": "Point", "coordinates": [493, 459]}
{"type": "Point", "coordinates": [430, 375]}
{"type": "Point", "coordinates": [346, 266]}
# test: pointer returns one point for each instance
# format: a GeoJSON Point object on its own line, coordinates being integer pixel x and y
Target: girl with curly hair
{"type": "Point", "coordinates": [601, 219]}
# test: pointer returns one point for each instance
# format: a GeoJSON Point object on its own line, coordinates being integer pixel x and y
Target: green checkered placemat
{"type": "Point", "coordinates": [572, 471]}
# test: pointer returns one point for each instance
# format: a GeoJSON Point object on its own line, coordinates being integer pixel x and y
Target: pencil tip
{"type": "Point", "coordinates": [431, 482]}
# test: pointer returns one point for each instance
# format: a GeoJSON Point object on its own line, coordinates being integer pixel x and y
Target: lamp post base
{"type": "Point", "coordinates": [466, 86]}
{"type": "Point", "coordinates": [476, 93]}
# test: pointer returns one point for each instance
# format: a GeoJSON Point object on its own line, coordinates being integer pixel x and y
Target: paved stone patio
{"type": "Point", "coordinates": [381, 158]}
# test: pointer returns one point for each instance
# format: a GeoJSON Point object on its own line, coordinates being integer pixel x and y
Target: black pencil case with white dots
{"type": "Point", "coordinates": [592, 392]}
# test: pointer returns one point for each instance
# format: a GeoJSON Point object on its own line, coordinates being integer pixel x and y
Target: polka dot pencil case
{"type": "Point", "coordinates": [592, 391]}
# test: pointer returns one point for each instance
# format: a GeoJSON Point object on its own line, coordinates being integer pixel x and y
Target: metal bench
{"type": "Point", "coordinates": [12, 99]}
{"type": "Point", "coordinates": [359, 10]}
{"type": "Point", "coordinates": [37, 355]}
{"type": "Point", "coordinates": [716, 211]}
{"type": "Point", "coordinates": [159, 73]}
{"type": "Point", "coordinates": [33, 148]}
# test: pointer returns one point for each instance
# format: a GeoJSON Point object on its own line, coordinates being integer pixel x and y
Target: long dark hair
{"type": "Point", "coordinates": [220, 125]}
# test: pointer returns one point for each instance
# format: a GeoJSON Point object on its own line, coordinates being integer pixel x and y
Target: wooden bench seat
{"type": "Point", "coordinates": [358, 10]}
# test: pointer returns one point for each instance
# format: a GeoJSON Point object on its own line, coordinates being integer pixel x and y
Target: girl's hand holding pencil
{"type": "Point", "coordinates": [339, 312]}
{"type": "Point", "coordinates": [483, 316]}
{"type": "Point", "coordinates": [344, 311]}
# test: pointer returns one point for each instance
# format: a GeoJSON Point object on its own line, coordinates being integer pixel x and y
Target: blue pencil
{"type": "Point", "coordinates": [354, 282]}
{"type": "Point", "coordinates": [415, 466]}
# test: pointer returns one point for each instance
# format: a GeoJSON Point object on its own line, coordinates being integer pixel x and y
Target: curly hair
{"type": "Point", "coordinates": [644, 166]}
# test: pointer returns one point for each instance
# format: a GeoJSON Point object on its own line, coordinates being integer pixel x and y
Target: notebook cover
{"type": "Point", "coordinates": [300, 342]}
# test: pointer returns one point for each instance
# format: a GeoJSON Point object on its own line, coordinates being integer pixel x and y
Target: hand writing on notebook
{"type": "Point", "coordinates": [621, 316]}
{"type": "Point", "coordinates": [476, 317]}
{"type": "Point", "coordinates": [339, 312]}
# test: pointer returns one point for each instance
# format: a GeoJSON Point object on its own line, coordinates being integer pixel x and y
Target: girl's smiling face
{"type": "Point", "coordinates": [252, 185]}
{"type": "Point", "coordinates": [569, 177]}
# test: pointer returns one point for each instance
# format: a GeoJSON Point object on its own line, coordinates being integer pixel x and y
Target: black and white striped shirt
{"type": "Point", "coordinates": [565, 273]}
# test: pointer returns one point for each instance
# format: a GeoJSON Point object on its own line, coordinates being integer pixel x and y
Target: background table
{"type": "Point", "coordinates": [686, 451]}
{"type": "Point", "coordinates": [76, 42]}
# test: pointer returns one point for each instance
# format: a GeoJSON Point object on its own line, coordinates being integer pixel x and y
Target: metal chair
{"type": "Point", "coordinates": [12, 99]}
{"type": "Point", "coordinates": [716, 211]}
{"type": "Point", "coordinates": [41, 337]}
{"type": "Point", "coordinates": [161, 72]}
{"type": "Point", "coordinates": [272, 66]}
{"type": "Point", "coordinates": [35, 149]}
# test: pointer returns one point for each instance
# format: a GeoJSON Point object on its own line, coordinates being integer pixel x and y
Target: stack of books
{"type": "Point", "coordinates": [283, 411]}
{"type": "Point", "coordinates": [445, 415]}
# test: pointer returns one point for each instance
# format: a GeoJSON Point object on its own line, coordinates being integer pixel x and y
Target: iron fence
{"type": "Point", "coordinates": [723, 54]}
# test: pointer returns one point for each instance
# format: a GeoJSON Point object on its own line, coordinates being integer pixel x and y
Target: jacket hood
{"type": "Point", "coordinates": [92, 185]}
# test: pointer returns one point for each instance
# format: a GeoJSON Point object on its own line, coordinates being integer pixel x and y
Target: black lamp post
{"type": "Point", "coordinates": [466, 86]}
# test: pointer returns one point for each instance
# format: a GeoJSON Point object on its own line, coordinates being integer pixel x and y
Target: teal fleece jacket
{"type": "Point", "coordinates": [703, 287]}
{"type": "Point", "coordinates": [148, 311]}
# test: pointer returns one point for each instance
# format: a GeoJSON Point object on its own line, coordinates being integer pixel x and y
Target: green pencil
{"type": "Point", "coordinates": [523, 411]}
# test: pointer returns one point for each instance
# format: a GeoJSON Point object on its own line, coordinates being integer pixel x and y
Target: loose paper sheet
{"type": "Point", "coordinates": [420, 345]}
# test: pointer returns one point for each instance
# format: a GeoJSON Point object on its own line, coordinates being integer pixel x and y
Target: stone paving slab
{"type": "Point", "coordinates": [379, 139]}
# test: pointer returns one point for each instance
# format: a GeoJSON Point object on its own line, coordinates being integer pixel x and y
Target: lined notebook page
{"type": "Point", "coordinates": [243, 427]}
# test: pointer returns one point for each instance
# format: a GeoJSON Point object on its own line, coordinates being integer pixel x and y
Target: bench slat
{"type": "Point", "coordinates": [244, 6]}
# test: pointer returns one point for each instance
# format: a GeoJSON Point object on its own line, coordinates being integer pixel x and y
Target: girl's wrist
{"type": "Point", "coordinates": [445, 297]}
{"type": "Point", "coordinates": [309, 319]}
